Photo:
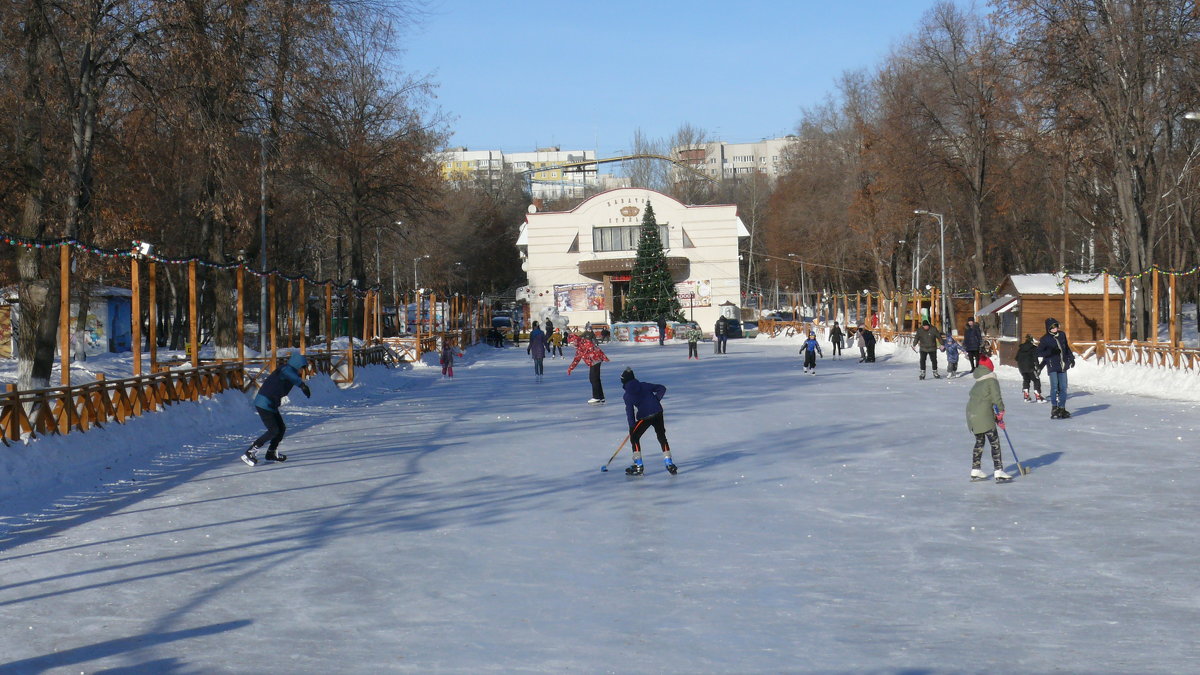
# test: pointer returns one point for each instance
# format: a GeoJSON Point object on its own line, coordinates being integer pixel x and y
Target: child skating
{"type": "Point", "coordinates": [985, 410]}
{"type": "Point", "coordinates": [953, 350]}
{"type": "Point", "coordinates": [447, 359]}
{"type": "Point", "coordinates": [810, 349]}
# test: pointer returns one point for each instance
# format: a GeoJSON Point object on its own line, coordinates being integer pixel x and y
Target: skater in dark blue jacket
{"type": "Point", "coordinates": [643, 410]}
{"type": "Point", "coordinates": [277, 385]}
{"type": "Point", "coordinates": [1055, 352]}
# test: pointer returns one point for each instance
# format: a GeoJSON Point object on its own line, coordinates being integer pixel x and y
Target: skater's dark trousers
{"type": "Point", "coordinates": [932, 357]}
{"type": "Point", "coordinates": [1031, 376]}
{"type": "Point", "coordinates": [594, 377]}
{"type": "Point", "coordinates": [810, 359]}
{"type": "Point", "coordinates": [640, 427]}
{"type": "Point", "coordinates": [973, 357]}
{"type": "Point", "coordinates": [273, 421]}
{"type": "Point", "coordinates": [692, 351]}
{"type": "Point", "coordinates": [538, 369]}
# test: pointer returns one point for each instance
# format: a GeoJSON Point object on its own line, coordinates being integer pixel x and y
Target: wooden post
{"type": "Point", "coordinates": [303, 318]}
{"type": "Point", "coordinates": [274, 333]}
{"type": "Point", "coordinates": [1104, 328]}
{"type": "Point", "coordinates": [417, 295]}
{"type": "Point", "coordinates": [1128, 311]}
{"type": "Point", "coordinates": [858, 308]}
{"type": "Point", "coordinates": [329, 318]}
{"type": "Point", "coordinates": [366, 327]}
{"type": "Point", "coordinates": [64, 315]}
{"type": "Point", "coordinates": [135, 314]}
{"type": "Point", "coordinates": [152, 338]}
{"type": "Point", "coordinates": [1067, 307]}
{"type": "Point", "coordinates": [241, 316]}
{"type": "Point", "coordinates": [1154, 309]}
{"type": "Point", "coordinates": [1171, 322]}
{"type": "Point", "coordinates": [289, 317]}
{"type": "Point", "coordinates": [193, 318]}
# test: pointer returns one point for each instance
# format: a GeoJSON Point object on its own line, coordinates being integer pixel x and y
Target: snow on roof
{"type": "Point", "coordinates": [1052, 284]}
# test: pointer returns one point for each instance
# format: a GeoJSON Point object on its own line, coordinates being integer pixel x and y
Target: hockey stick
{"type": "Point", "coordinates": [616, 452]}
{"type": "Point", "coordinates": [1022, 469]}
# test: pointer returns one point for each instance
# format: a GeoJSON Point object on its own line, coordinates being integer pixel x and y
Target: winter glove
{"type": "Point", "coordinates": [1000, 419]}
{"type": "Point", "coordinates": [307, 392]}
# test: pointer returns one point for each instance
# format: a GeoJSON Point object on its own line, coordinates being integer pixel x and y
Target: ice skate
{"type": "Point", "coordinates": [935, 374]}
{"type": "Point", "coordinates": [250, 457]}
{"type": "Point", "coordinates": [922, 374]}
{"type": "Point", "coordinates": [273, 456]}
{"type": "Point", "coordinates": [671, 468]}
{"type": "Point", "coordinates": [635, 469]}
{"type": "Point", "coordinates": [1039, 397]}
{"type": "Point", "coordinates": [1027, 399]}
{"type": "Point", "coordinates": [1001, 477]}
{"type": "Point", "coordinates": [978, 474]}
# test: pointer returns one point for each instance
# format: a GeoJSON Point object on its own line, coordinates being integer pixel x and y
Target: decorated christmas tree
{"type": "Point", "coordinates": [651, 291]}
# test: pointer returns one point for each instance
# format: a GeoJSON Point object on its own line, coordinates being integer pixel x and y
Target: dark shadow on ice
{"type": "Point", "coordinates": [62, 659]}
{"type": "Point", "coordinates": [1040, 461]}
{"type": "Point", "coordinates": [1089, 409]}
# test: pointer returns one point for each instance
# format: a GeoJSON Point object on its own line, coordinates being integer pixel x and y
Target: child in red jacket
{"type": "Point", "coordinates": [587, 351]}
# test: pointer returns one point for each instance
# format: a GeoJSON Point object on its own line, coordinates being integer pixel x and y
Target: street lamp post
{"type": "Point", "coordinates": [942, 246]}
{"type": "Point", "coordinates": [415, 284]}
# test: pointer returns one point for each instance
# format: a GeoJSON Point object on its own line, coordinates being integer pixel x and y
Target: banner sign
{"type": "Point", "coordinates": [579, 297]}
{"type": "Point", "coordinates": [694, 293]}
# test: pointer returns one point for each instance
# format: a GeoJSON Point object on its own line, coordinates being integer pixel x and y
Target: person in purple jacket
{"type": "Point", "coordinates": [644, 410]}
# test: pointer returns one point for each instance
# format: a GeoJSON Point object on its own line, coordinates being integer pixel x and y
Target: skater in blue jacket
{"type": "Point", "coordinates": [810, 349]}
{"type": "Point", "coordinates": [643, 410]}
{"type": "Point", "coordinates": [270, 395]}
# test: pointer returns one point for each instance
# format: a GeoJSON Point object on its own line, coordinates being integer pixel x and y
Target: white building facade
{"type": "Point", "coordinates": [580, 261]}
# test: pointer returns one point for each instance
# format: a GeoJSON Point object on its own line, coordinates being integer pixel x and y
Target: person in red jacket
{"type": "Point", "coordinates": [587, 351]}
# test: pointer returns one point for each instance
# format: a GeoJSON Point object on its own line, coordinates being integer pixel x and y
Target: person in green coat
{"type": "Point", "coordinates": [985, 410]}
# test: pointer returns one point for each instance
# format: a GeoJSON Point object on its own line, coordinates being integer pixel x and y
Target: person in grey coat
{"type": "Point", "coordinates": [985, 410]}
{"type": "Point", "coordinates": [927, 339]}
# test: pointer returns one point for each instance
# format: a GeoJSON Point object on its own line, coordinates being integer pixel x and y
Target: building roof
{"type": "Point", "coordinates": [1052, 284]}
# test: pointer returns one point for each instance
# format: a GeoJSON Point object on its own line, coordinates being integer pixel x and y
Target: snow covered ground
{"type": "Point", "coordinates": [817, 524]}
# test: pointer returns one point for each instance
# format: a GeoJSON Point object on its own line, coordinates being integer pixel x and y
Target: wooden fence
{"type": "Point", "coordinates": [1154, 354]}
{"type": "Point", "coordinates": [61, 410]}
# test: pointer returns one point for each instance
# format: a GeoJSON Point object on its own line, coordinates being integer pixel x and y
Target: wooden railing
{"type": "Point", "coordinates": [1153, 354]}
{"type": "Point", "coordinates": [59, 410]}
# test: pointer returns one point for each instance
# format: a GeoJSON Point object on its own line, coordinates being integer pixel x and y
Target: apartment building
{"type": "Point", "coordinates": [719, 160]}
{"type": "Point", "coordinates": [550, 173]}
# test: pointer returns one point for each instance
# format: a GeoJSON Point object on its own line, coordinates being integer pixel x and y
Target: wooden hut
{"type": "Point", "coordinates": [1025, 301]}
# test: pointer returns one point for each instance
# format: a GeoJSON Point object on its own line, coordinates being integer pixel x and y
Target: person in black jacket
{"type": "Point", "coordinates": [835, 338]}
{"type": "Point", "coordinates": [1055, 352]}
{"type": "Point", "coordinates": [1027, 364]}
{"type": "Point", "coordinates": [644, 410]}
{"type": "Point", "coordinates": [720, 334]}
{"type": "Point", "coordinates": [277, 385]}
{"type": "Point", "coordinates": [972, 342]}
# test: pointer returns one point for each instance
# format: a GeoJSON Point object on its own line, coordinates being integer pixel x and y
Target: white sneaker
{"type": "Point", "coordinates": [978, 474]}
{"type": "Point", "coordinates": [1000, 475]}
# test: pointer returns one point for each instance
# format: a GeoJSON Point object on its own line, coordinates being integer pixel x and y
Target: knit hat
{"type": "Point", "coordinates": [986, 362]}
{"type": "Point", "coordinates": [925, 322]}
{"type": "Point", "coordinates": [1050, 323]}
{"type": "Point", "coordinates": [627, 375]}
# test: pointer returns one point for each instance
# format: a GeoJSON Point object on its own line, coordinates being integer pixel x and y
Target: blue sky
{"type": "Point", "coordinates": [584, 74]}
